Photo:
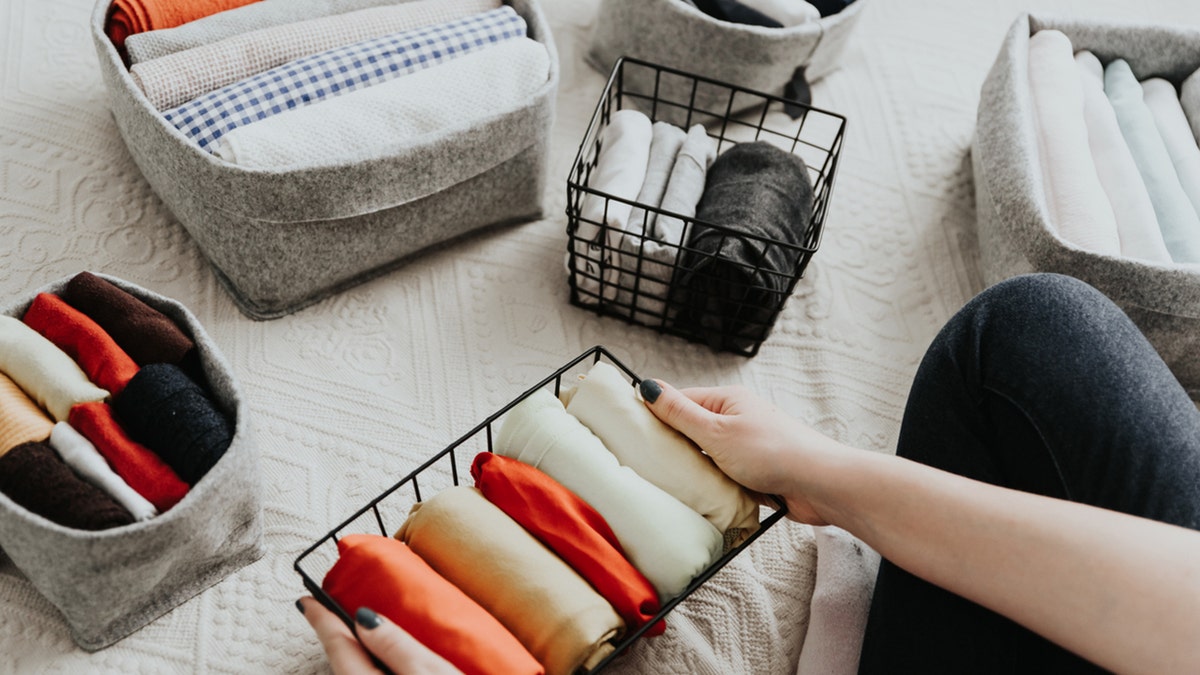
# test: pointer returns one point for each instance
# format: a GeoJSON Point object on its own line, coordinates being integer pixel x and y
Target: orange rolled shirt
{"type": "Point", "coordinates": [106, 364]}
{"type": "Point", "coordinates": [127, 17]}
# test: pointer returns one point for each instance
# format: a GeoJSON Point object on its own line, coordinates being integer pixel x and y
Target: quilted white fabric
{"type": "Point", "coordinates": [353, 392]}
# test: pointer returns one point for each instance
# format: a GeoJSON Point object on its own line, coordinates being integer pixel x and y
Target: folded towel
{"type": "Point", "coordinates": [610, 407]}
{"type": "Point", "coordinates": [177, 78]}
{"type": "Point", "coordinates": [79, 453]}
{"type": "Point", "coordinates": [559, 618]}
{"type": "Point", "coordinates": [140, 468]}
{"type": "Point", "coordinates": [338, 71]}
{"type": "Point", "coordinates": [44, 371]}
{"type": "Point", "coordinates": [1163, 101]}
{"type": "Point", "coordinates": [21, 420]}
{"type": "Point", "coordinates": [571, 528]}
{"type": "Point", "coordinates": [1189, 98]}
{"type": "Point", "coordinates": [164, 410]}
{"type": "Point", "coordinates": [1176, 216]}
{"type": "Point", "coordinates": [734, 280]}
{"type": "Point", "coordinates": [735, 12]}
{"type": "Point", "coordinates": [786, 12]}
{"type": "Point", "coordinates": [1137, 225]}
{"type": "Point", "coordinates": [129, 17]}
{"type": "Point", "coordinates": [664, 539]}
{"type": "Point", "coordinates": [619, 172]}
{"type": "Point", "coordinates": [386, 576]}
{"type": "Point", "coordinates": [105, 363]}
{"type": "Point", "coordinates": [378, 121]}
{"type": "Point", "coordinates": [144, 333]}
{"type": "Point", "coordinates": [33, 476]}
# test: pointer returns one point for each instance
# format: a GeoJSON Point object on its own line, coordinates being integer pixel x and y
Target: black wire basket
{"type": "Point", "coordinates": [447, 468]}
{"type": "Point", "coordinates": [739, 300]}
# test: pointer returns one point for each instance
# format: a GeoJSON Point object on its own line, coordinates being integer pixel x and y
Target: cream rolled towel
{"type": "Point", "coordinates": [1163, 101]}
{"type": "Point", "coordinates": [545, 604]}
{"type": "Point", "coordinates": [1079, 208]}
{"type": "Point", "coordinates": [1176, 217]}
{"type": "Point", "coordinates": [611, 408]}
{"type": "Point", "coordinates": [376, 121]}
{"type": "Point", "coordinates": [664, 539]}
{"type": "Point", "coordinates": [177, 78]}
{"type": "Point", "coordinates": [1189, 98]}
{"type": "Point", "coordinates": [619, 172]}
{"type": "Point", "coordinates": [43, 370]}
{"type": "Point", "coordinates": [1137, 225]}
{"type": "Point", "coordinates": [79, 453]}
{"type": "Point", "coordinates": [786, 12]}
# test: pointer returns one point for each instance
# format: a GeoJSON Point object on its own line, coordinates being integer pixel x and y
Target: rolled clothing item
{"type": "Point", "coordinates": [786, 12]}
{"type": "Point", "coordinates": [1079, 209]}
{"type": "Point", "coordinates": [177, 78]}
{"type": "Point", "coordinates": [47, 374]}
{"type": "Point", "coordinates": [1176, 216]}
{"type": "Point", "coordinates": [608, 405]}
{"type": "Point", "coordinates": [33, 476]}
{"type": "Point", "coordinates": [1189, 98]}
{"type": "Point", "coordinates": [574, 530]}
{"type": "Point", "coordinates": [377, 121]}
{"type": "Point", "coordinates": [102, 360]}
{"type": "Point", "coordinates": [665, 141]}
{"type": "Point", "coordinates": [620, 170]}
{"type": "Point", "coordinates": [736, 276]}
{"type": "Point", "coordinates": [660, 253]}
{"type": "Point", "coordinates": [79, 453]}
{"type": "Point", "coordinates": [664, 539]}
{"type": "Point", "coordinates": [21, 420]}
{"type": "Point", "coordinates": [140, 468]}
{"type": "Point", "coordinates": [164, 410]}
{"type": "Point", "coordinates": [144, 333]}
{"type": "Point", "coordinates": [560, 619]}
{"type": "Point", "coordinates": [735, 12]}
{"type": "Point", "coordinates": [1137, 225]}
{"type": "Point", "coordinates": [130, 17]}
{"type": "Point", "coordinates": [385, 575]}
{"type": "Point", "coordinates": [336, 72]}
{"type": "Point", "coordinates": [1163, 101]}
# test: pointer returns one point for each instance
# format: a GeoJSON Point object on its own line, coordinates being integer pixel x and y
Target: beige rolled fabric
{"type": "Point", "coordinates": [21, 420]}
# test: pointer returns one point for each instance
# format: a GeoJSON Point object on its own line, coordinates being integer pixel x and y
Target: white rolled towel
{"type": "Point", "coordinates": [45, 372]}
{"type": "Point", "coordinates": [79, 453]}
{"type": "Point", "coordinates": [1163, 101]}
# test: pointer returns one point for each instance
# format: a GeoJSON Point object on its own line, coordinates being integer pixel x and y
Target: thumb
{"type": "Point", "coordinates": [677, 410]}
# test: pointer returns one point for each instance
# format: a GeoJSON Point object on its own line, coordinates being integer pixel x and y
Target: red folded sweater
{"type": "Point", "coordinates": [571, 528]}
{"type": "Point", "coordinates": [143, 470]}
{"type": "Point", "coordinates": [384, 574]}
{"type": "Point", "coordinates": [128, 17]}
{"type": "Point", "coordinates": [106, 364]}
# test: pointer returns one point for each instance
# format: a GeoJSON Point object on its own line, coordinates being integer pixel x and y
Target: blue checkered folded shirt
{"type": "Point", "coordinates": [313, 78]}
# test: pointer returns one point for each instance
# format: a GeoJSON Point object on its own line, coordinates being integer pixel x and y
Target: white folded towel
{"type": "Point", "coordinates": [1163, 101]}
{"type": "Point", "coordinates": [79, 453]}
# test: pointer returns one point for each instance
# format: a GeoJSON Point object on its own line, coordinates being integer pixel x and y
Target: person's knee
{"type": "Point", "coordinates": [1041, 303]}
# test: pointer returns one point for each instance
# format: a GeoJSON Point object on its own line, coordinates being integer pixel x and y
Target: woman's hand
{"type": "Point", "coordinates": [394, 648]}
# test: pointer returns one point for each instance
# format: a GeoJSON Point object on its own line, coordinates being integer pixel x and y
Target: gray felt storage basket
{"type": "Point", "coordinates": [283, 239]}
{"type": "Point", "coordinates": [110, 583]}
{"type": "Point", "coordinates": [1014, 235]}
{"type": "Point", "coordinates": [675, 34]}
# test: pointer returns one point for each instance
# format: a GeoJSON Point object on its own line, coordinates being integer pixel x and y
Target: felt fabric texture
{"type": "Point", "coordinates": [571, 528]}
{"type": "Point", "coordinates": [142, 332]}
{"type": "Point", "coordinates": [140, 468]}
{"type": "Point", "coordinates": [786, 12]}
{"type": "Point", "coordinates": [735, 12]}
{"type": "Point", "coordinates": [43, 370]}
{"type": "Point", "coordinates": [436, 189]}
{"type": "Point", "coordinates": [1163, 101]}
{"type": "Point", "coordinates": [1137, 224]}
{"type": "Point", "coordinates": [608, 405]}
{"type": "Point", "coordinates": [79, 453]}
{"type": "Point", "coordinates": [164, 410]}
{"type": "Point", "coordinates": [620, 171]}
{"type": "Point", "coordinates": [175, 79]}
{"type": "Point", "coordinates": [385, 575]}
{"type": "Point", "coordinates": [841, 602]}
{"type": "Point", "coordinates": [379, 120]}
{"type": "Point", "coordinates": [552, 610]}
{"type": "Point", "coordinates": [335, 72]}
{"type": "Point", "coordinates": [34, 476]}
{"type": "Point", "coordinates": [1189, 98]}
{"type": "Point", "coordinates": [664, 539]}
{"type": "Point", "coordinates": [130, 17]}
{"type": "Point", "coordinates": [1176, 216]}
{"type": "Point", "coordinates": [101, 359]}
{"type": "Point", "coordinates": [21, 420]}
{"type": "Point", "coordinates": [1079, 209]}
{"type": "Point", "coordinates": [665, 141]}
{"type": "Point", "coordinates": [734, 280]}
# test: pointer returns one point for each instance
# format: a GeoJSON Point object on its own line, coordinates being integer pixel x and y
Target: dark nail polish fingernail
{"type": "Point", "coordinates": [299, 605]}
{"type": "Point", "coordinates": [650, 390]}
{"type": "Point", "coordinates": [367, 619]}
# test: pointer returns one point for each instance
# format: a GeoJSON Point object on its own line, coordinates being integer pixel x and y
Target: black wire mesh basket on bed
{"type": "Point", "coordinates": [690, 288]}
{"type": "Point", "coordinates": [450, 467]}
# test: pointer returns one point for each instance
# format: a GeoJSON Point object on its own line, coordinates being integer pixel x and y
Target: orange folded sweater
{"type": "Point", "coordinates": [106, 364]}
{"type": "Point", "coordinates": [128, 17]}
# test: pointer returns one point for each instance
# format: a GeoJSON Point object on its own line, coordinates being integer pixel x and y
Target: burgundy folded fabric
{"type": "Point", "coordinates": [106, 364]}
{"type": "Point", "coordinates": [34, 476]}
{"type": "Point", "coordinates": [571, 528]}
{"type": "Point", "coordinates": [146, 334]}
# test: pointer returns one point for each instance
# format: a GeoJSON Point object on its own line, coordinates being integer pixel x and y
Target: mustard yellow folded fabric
{"type": "Point", "coordinates": [43, 370]}
{"type": "Point", "coordinates": [21, 420]}
{"type": "Point", "coordinates": [609, 406]}
{"type": "Point", "coordinates": [550, 609]}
